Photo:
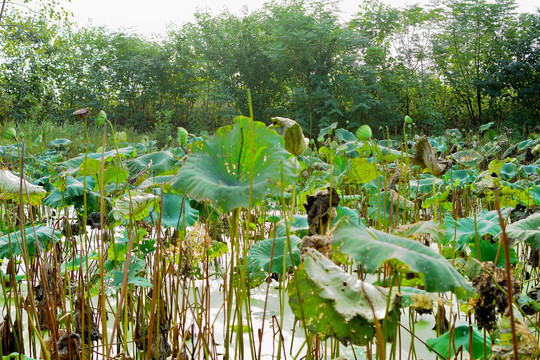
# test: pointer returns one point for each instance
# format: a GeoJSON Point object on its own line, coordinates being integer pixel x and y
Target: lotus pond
{"type": "Point", "coordinates": [258, 243]}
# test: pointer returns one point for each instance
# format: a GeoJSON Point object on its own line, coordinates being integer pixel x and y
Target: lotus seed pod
{"type": "Point", "coordinates": [182, 135]}
{"type": "Point", "coordinates": [364, 133]}
{"type": "Point", "coordinates": [10, 133]}
{"type": "Point", "coordinates": [100, 119]}
{"type": "Point", "coordinates": [408, 119]}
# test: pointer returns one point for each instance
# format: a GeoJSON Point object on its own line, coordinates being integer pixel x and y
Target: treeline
{"type": "Point", "coordinates": [459, 64]}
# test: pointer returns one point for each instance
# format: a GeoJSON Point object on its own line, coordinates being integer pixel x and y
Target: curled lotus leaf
{"type": "Point", "coordinates": [424, 157]}
{"type": "Point", "coordinates": [295, 143]}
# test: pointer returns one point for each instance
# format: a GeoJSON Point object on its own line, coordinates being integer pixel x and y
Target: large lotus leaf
{"type": "Point", "coordinates": [222, 168]}
{"type": "Point", "coordinates": [10, 185]}
{"type": "Point", "coordinates": [461, 177]}
{"type": "Point", "coordinates": [321, 318]}
{"type": "Point", "coordinates": [371, 248]}
{"type": "Point", "coordinates": [137, 205]}
{"type": "Point", "coordinates": [362, 171]}
{"type": "Point", "coordinates": [453, 340]}
{"type": "Point", "coordinates": [351, 296]}
{"type": "Point", "coordinates": [426, 186]}
{"type": "Point", "coordinates": [71, 166]}
{"type": "Point", "coordinates": [526, 230]}
{"type": "Point", "coordinates": [155, 181]}
{"type": "Point", "coordinates": [345, 135]}
{"type": "Point", "coordinates": [74, 189]}
{"type": "Point", "coordinates": [489, 251]}
{"type": "Point", "coordinates": [259, 254]}
{"type": "Point", "coordinates": [386, 154]}
{"type": "Point", "coordinates": [173, 215]}
{"type": "Point", "coordinates": [468, 158]}
{"type": "Point", "coordinates": [10, 244]}
{"type": "Point", "coordinates": [487, 222]}
{"type": "Point", "coordinates": [160, 161]}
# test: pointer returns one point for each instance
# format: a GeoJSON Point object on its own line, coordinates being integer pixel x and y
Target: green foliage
{"type": "Point", "coordinates": [321, 318]}
{"type": "Point", "coordinates": [461, 338]}
{"type": "Point", "coordinates": [11, 244]}
{"type": "Point", "coordinates": [221, 168]}
{"type": "Point", "coordinates": [370, 248]}
{"type": "Point", "coordinates": [260, 254]}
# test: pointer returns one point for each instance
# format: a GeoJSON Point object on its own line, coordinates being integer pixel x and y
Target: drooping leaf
{"type": "Point", "coordinates": [460, 337]}
{"type": "Point", "coordinates": [10, 244]}
{"type": "Point", "coordinates": [320, 317]}
{"type": "Point", "coordinates": [259, 254]}
{"type": "Point", "coordinates": [371, 248]}
{"type": "Point", "coordinates": [526, 230]}
{"type": "Point", "coordinates": [10, 186]}
{"type": "Point", "coordinates": [351, 297]}
{"type": "Point", "coordinates": [221, 169]}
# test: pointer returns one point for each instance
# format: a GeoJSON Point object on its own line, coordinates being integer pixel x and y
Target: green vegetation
{"type": "Point", "coordinates": [459, 65]}
{"type": "Point", "coordinates": [396, 198]}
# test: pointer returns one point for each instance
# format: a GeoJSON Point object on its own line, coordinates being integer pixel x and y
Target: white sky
{"type": "Point", "coordinates": [152, 16]}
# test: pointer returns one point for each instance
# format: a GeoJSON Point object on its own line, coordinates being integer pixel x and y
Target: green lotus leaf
{"type": "Point", "coordinates": [259, 254]}
{"type": "Point", "coordinates": [345, 135]}
{"type": "Point", "coordinates": [158, 162]}
{"type": "Point", "coordinates": [71, 166]}
{"type": "Point", "coordinates": [173, 214]}
{"type": "Point", "coordinates": [459, 337]}
{"type": "Point", "coordinates": [221, 168]}
{"type": "Point", "coordinates": [10, 244]}
{"type": "Point", "coordinates": [298, 225]}
{"type": "Point", "coordinates": [321, 318]}
{"type": "Point", "coordinates": [487, 222]}
{"type": "Point", "coordinates": [362, 171]}
{"type": "Point", "coordinates": [489, 251]}
{"type": "Point", "coordinates": [10, 186]}
{"type": "Point", "coordinates": [526, 230]}
{"type": "Point", "coordinates": [468, 158]}
{"type": "Point", "coordinates": [455, 133]}
{"type": "Point", "coordinates": [139, 208]}
{"type": "Point", "coordinates": [73, 192]}
{"type": "Point", "coordinates": [155, 181]}
{"type": "Point", "coordinates": [351, 296]}
{"type": "Point", "coordinates": [59, 143]}
{"type": "Point", "coordinates": [371, 248]}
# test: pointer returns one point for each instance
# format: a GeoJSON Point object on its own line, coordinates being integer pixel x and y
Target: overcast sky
{"type": "Point", "coordinates": [153, 16]}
